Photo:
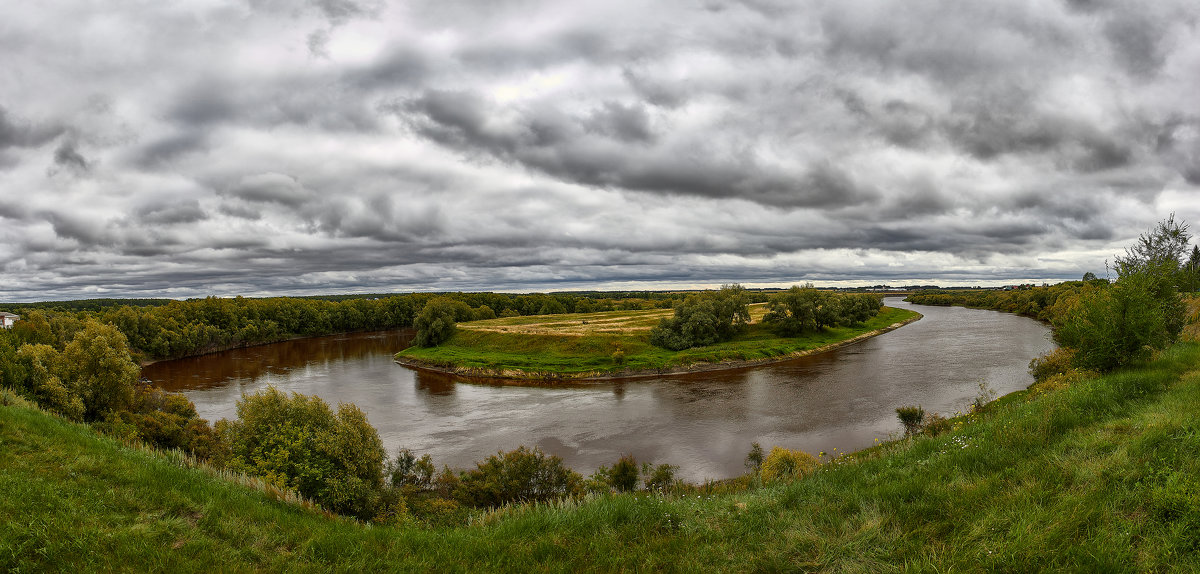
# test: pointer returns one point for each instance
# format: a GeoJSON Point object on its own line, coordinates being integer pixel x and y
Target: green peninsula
{"type": "Point", "coordinates": [616, 344]}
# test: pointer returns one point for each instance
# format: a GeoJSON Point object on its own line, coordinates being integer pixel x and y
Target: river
{"type": "Point", "coordinates": [702, 422]}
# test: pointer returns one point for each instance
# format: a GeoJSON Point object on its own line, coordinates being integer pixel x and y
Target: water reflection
{"type": "Point", "coordinates": [703, 422]}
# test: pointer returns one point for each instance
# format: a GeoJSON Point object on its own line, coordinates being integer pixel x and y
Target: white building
{"type": "Point", "coordinates": [8, 319]}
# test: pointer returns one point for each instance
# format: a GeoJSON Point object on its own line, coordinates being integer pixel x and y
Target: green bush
{"type": "Point", "coordinates": [911, 417]}
{"type": "Point", "coordinates": [521, 475]}
{"type": "Point", "coordinates": [436, 322]}
{"type": "Point", "coordinates": [659, 478]}
{"type": "Point", "coordinates": [785, 464]}
{"type": "Point", "coordinates": [754, 459]}
{"type": "Point", "coordinates": [406, 470]}
{"type": "Point", "coordinates": [298, 442]}
{"type": "Point", "coordinates": [37, 375]}
{"type": "Point", "coordinates": [623, 476]}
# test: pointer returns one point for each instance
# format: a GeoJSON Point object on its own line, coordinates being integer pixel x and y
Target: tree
{"type": "Point", "coordinates": [1115, 325]}
{"type": "Point", "coordinates": [1191, 269]}
{"type": "Point", "coordinates": [436, 322]}
{"type": "Point", "coordinates": [97, 366]}
{"type": "Point", "coordinates": [1158, 251]}
{"type": "Point", "coordinates": [298, 442]}
{"type": "Point", "coordinates": [807, 310]}
{"type": "Point", "coordinates": [702, 320]}
{"type": "Point", "coordinates": [39, 370]}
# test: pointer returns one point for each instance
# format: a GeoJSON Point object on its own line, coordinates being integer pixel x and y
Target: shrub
{"type": "Point", "coordinates": [935, 424]}
{"type": "Point", "coordinates": [911, 417]}
{"type": "Point", "coordinates": [408, 470]}
{"type": "Point", "coordinates": [659, 478]}
{"type": "Point", "coordinates": [436, 322]}
{"type": "Point", "coordinates": [785, 464]}
{"type": "Point", "coordinates": [1055, 362]}
{"type": "Point", "coordinates": [521, 475]}
{"type": "Point", "coordinates": [298, 442]}
{"type": "Point", "coordinates": [623, 475]}
{"type": "Point", "coordinates": [40, 367]}
{"type": "Point", "coordinates": [754, 459]}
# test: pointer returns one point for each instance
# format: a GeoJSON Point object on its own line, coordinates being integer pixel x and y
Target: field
{"type": "Point", "coordinates": [1099, 476]}
{"type": "Point", "coordinates": [615, 343]}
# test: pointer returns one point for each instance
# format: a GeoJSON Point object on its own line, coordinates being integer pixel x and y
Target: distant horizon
{"type": "Point", "coordinates": [843, 284]}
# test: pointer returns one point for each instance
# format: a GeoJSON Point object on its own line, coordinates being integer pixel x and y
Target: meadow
{"type": "Point", "coordinates": [616, 343]}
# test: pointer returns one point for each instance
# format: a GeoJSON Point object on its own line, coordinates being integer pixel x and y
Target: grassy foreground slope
{"type": "Point", "coordinates": [1103, 475]}
{"type": "Point", "coordinates": [584, 344]}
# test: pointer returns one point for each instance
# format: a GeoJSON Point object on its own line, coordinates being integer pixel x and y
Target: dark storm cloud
{"type": "Point", "coordinates": [167, 149]}
{"type": "Point", "coordinates": [271, 188]}
{"type": "Point", "coordinates": [15, 132]}
{"type": "Point", "coordinates": [281, 147]}
{"type": "Point", "coordinates": [172, 213]}
{"type": "Point", "coordinates": [573, 148]}
{"type": "Point", "coordinates": [67, 155]}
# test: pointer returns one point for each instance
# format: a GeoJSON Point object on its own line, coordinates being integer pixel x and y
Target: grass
{"type": "Point", "coordinates": [1103, 475]}
{"type": "Point", "coordinates": [583, 345]}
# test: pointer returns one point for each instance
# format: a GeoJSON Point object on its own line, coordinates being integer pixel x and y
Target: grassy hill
{"type": "Point", "coordinates": [1102, 475]}
{"type": "Point", "coordinates": [583, 345]}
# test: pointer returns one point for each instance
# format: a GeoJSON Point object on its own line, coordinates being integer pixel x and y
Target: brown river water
{"type": "Point", "coordinates": [702, 422]}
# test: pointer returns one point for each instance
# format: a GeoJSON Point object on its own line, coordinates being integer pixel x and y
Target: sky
{"type": "Point", "coordinates": [283, 147]}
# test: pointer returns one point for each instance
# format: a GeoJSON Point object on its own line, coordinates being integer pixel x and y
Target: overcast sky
{"type": "Point", "coordinates": [262, 147]}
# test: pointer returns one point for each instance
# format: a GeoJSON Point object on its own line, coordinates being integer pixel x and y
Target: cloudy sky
{"type": "Point", "coordinates": [281, 147]}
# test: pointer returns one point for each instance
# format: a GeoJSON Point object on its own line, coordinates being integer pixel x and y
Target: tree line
{"type": "Point", "coordinates": [712, 317]}
{"type": "Point", "coordinates": [1101, 325]}
{"type": "Point", "coordinates": [158, 329]}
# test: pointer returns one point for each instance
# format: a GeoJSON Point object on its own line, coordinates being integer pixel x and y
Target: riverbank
{"type": "Point", "coordinates": [1096, 476]}
{"type": "Point", "coordinates": [615, 345]}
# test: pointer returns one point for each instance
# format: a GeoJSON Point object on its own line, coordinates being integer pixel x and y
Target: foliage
{"type": "Point", "coordinates": [911, 417]}
{"type": "Point", "coordinates": [436, 322]}
{"type": "Point", "coordinates": [935, 424]}
{"type": "Point", "coordinates": [1099, 476]}
{"type": "Point", "coordinates": [623, 476]}
{"type": "Point", "coordinates": [98, 364]}
{"type": "Point", "coordinates": [786, 464]}
{"type": "Point", "coordinates": [501, 346]}
{"type": "Point", "coordinates": [37, 372]}
{"type": "Point", "coordinates": [659, 478]}
{"type": "Point", "coordinates": [298, 442]}
{"type": "Point", "coordinates": [521, 475]}
{"type": "Point", "coordinates": [754, 459]}
{"type": "Point", "coordinates": [805, 309]}
{"type": "Point", "coordinates": [702, 320]}
{"type": "Point", "coordinates": [408, 470]}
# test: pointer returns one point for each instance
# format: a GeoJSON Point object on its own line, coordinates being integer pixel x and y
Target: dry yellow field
{"type": "Point", "coordinates": [611, 322]}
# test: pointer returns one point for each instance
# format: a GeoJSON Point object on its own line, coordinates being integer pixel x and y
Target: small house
{"type": "Point", "coordinates": [7, 320]}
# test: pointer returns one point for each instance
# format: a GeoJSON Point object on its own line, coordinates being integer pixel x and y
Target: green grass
{"type": "Point", "coordinates": [550, 345]}
{"type": "Point", "coordinates": [1100, 476]}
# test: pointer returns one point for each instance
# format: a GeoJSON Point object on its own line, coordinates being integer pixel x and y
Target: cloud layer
{"type": "Point", "coordinates": [271, 147]}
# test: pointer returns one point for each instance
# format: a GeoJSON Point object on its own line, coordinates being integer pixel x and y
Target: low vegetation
{"type": "Point", "coordinates": [615, 342]}
{"type": "Point", "coordinates": [1096, 475]}
{"type": "Point", "coordinates": [624, 342]}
